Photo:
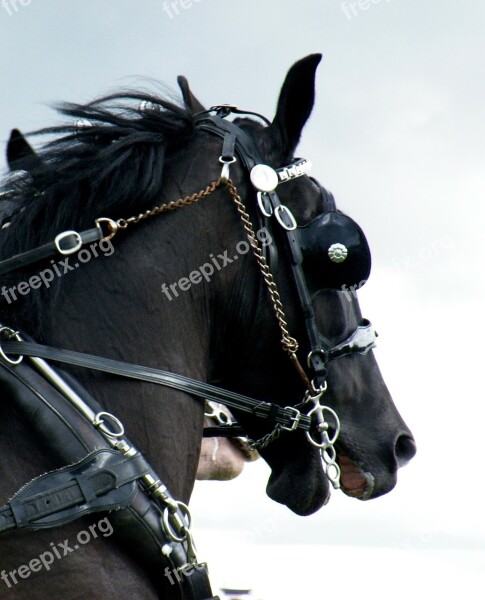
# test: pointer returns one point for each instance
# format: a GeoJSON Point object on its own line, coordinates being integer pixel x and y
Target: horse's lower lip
{"type": "Point", "coordinates": [355, 482]}
{"type": "Point", "coordinates": [242, 447]}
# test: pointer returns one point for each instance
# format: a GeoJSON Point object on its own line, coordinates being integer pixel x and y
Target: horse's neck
{"type": "Point", "coordinates": [115, 307]}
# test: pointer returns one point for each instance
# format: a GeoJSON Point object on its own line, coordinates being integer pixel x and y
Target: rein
{"type": "Point", "coordinates": [289, 418]}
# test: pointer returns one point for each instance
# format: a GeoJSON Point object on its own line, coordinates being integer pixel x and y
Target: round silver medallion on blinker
{"type": "Point", "coordinates": [337, 253]}
{"type": "Point", "coordinates": [264, 178]}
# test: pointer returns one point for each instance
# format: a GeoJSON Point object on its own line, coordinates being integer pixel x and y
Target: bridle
{"type": "Point", "coordinates": [319, 422]}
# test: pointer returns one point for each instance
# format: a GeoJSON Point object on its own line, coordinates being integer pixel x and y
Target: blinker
{"type": "Point", "coordinates": [335, 252]}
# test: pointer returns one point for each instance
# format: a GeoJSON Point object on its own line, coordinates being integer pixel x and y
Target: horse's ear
{"type": "Point", "coordinates": [20, 154]}
{"type": "Point", "coordinates": [296, 102]}
{"type": "Point", "coordinates": [190, 100]}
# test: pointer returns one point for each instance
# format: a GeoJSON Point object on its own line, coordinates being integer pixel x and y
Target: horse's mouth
{"type": "Point", "coordinates": [354, 481]}
{"type": "Point", "coordinates": [223, 458]}
{"type": "Point", "coordinates": [242, 446]}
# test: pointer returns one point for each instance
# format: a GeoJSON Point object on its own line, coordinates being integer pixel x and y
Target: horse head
{"type": "Point", "coordinates": [374, 441]}
{"type": "Point", "coordinates": [184, 291]}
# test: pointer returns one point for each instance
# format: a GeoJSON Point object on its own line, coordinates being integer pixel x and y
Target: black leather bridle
{"type": "Point", "coordinates": [309, 416]}
{"type": "Point", "coordinates": [236, 144]}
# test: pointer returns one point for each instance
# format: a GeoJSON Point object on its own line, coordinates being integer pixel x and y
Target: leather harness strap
{"type": "Point", "coordinates": [64, 244]}
{"type": "Point", "coordinates": [111, 478]}
{"type": "Point", "coordinates": [287, 417]}
{"type": "Point", "coordinates": [103, 480]}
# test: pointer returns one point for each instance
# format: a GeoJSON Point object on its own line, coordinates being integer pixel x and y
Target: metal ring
{"type": "Point", "coordinates": [224, 160]}
{"type": "Point", "coordinates": [169, 529]}
{"type": "Point", "coordinates": [292, 225]}
{"type": "Point", "coordinates": [99, 422]}
{"type": "Point", "coordinates": [15, 335]}
{"type": "Point", "coordinates": [315, 351]}
{"type": "Point", "coordinates": [314, 442]}
{"type": "Point", "coordinates": [218, 413]}
{"type": "Point", "coordinates": [225, 167]}
{"type": "Point", "coordinates": [65, 234]}
{"type": "Point", "coordinates": [334, 477]}
{"type": "Point", "coordinates": [327, 409]}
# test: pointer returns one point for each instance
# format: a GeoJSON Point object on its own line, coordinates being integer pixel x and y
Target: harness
{"type": "Point", "coordinates": [107, 473]}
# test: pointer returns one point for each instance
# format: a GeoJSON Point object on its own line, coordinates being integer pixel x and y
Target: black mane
{"type": "Point", "coordinates": [115, 166]}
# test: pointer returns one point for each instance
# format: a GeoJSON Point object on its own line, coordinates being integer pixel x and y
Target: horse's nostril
{"type": "Point", "coordinates": [405, 449]}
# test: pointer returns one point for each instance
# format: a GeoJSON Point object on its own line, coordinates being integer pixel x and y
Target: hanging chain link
{"type": "Point", "coordinates": [289, 343]}
{"type": "Point", "coordinates": [265, 440]}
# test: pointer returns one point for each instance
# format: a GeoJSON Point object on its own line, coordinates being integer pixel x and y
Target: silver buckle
{"type": "Point", "coordinates": [265, 211]}
{"type": "Point", "coordinates": [289, 225]}
{"type": "Point", "coordinates": [295, 419]}
{"type": "Point", "coordinates": [63, 236]}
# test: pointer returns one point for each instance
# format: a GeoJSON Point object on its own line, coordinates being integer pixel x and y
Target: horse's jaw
{"type": "Point", "coordinates": [297, 479]}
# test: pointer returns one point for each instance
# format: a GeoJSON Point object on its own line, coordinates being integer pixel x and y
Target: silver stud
{"type": "Point", "coordinates": [337, 253]}
{"type": "Point", "coordinates": [147, 106]}
{"type": "Point", "coordinates": [264, 178]}
{"type": "Point", "coordinates": [83, 124]}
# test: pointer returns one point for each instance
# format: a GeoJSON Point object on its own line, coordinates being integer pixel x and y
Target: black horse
{"type": "Point", "coordinates": [133, 301]}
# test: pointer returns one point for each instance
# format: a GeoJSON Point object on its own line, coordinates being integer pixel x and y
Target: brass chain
{"type": "Point", "coordinates": [289, 343]}
{"type": "Point", "coordinates": [169, 206]}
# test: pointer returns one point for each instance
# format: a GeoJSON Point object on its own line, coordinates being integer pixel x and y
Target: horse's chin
{"type": "Point", "coordinates": [300, 485]}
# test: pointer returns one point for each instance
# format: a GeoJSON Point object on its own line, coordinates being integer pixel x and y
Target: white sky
{"type": "Point", "coordinates": [398, 136]}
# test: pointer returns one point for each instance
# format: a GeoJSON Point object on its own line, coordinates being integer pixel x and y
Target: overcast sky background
{"type": "Point", "coordinates": [397, 135]}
